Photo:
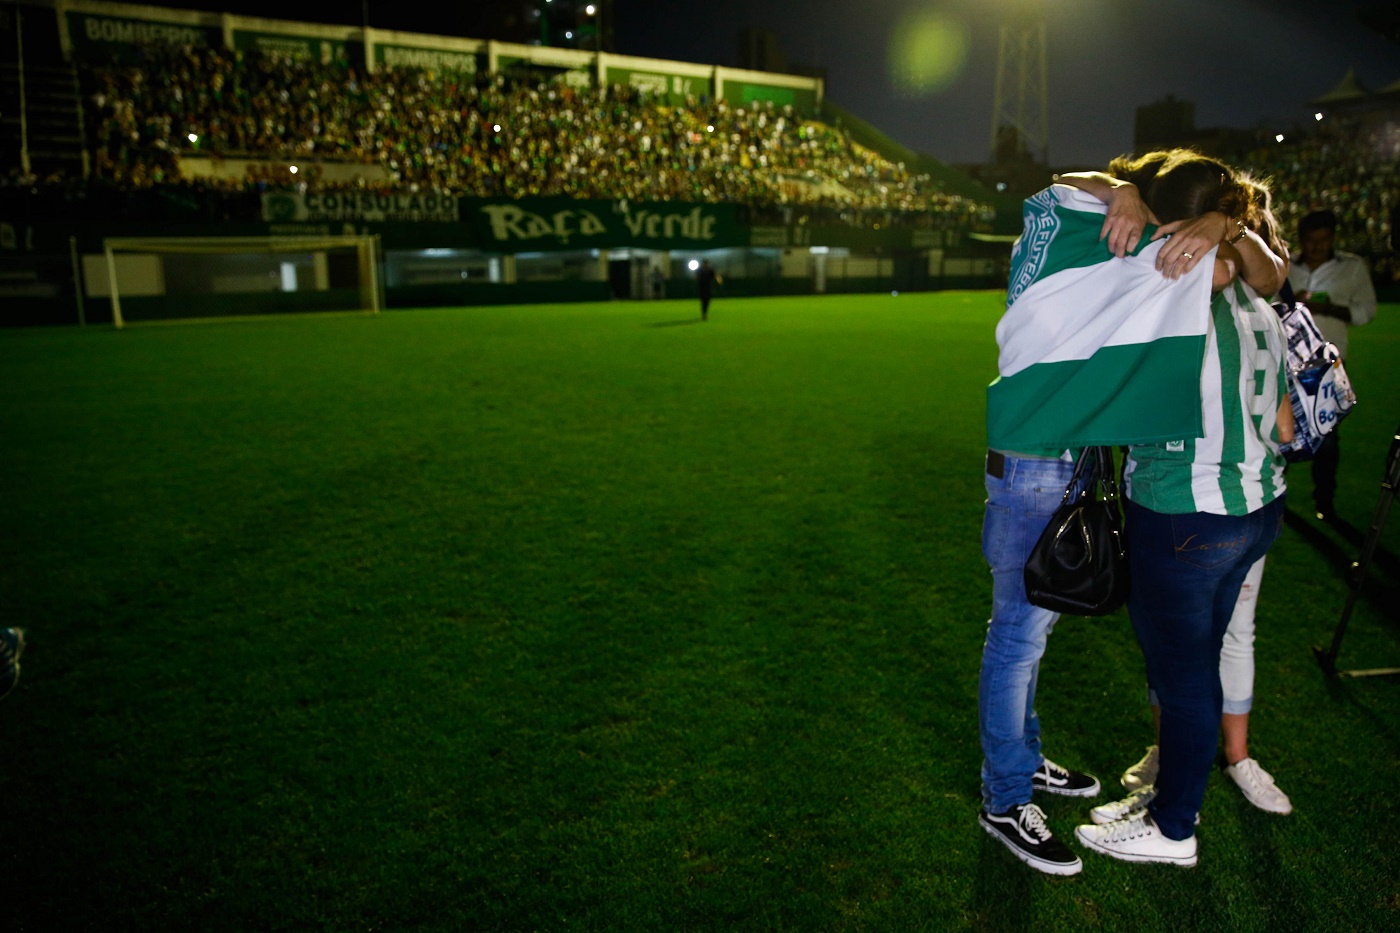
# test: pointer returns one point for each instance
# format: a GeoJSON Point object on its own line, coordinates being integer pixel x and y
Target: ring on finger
{"type": "Point", "coordinates": [1186, 256]}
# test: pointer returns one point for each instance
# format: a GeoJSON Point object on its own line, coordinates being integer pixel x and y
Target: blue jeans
{"type": "Point", "coordinates": [1186, 572]}
{"type": "Point", "coordinates": [1019, 506]}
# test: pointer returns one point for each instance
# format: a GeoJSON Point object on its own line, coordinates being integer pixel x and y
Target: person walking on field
{"type": "Point", "coordinates": [706, 279]}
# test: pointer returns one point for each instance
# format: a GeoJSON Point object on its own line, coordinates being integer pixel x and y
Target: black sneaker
{"type": "Point", "coordinates": [1022, 829]}
{"type": "Point", "coordinates": [1053, 779]}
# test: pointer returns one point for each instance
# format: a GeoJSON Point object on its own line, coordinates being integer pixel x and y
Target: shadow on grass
{"type": "Point", "coordinates": [1273, 879]}
{"type": "Point", "coordinates": [1003, 893]}
{"type": "Point", "coordinates": [675, 323]}
{"type": "Point", "coordinates": [1345, 690]}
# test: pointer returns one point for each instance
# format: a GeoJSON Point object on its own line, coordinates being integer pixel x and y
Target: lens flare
{"type": "Point", "coordinates": [927, 53]}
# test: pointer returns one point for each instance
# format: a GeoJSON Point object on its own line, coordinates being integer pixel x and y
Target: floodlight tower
{"type": "Point", "coordinates": [1019, 103]}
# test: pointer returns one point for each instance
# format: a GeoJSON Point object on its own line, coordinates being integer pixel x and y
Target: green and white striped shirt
{"type": "Point", "coordinates": [1235, 468]}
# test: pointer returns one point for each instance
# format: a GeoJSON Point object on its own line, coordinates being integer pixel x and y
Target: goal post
{"type": "Point", "coordinates": [153, 279]}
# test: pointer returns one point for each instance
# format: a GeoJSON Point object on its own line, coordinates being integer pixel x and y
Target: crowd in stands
{"type": "Point", "coordinates": [1350, 165]}
{"type": "Point", "coordinates": [485, 136]}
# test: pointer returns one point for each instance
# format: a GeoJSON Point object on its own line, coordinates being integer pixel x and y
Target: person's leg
{"type": "Point", "coordinates": [1237, 684]}
{"type": "Point", "coordinates": [1019, 505]}
{"type": "Point", "coordinates": [1187, 571]}
{"type": "Point", "coordinates": [1022, 494]}
{"type": "Point", "coordinates": [1324, 475]}
{"type": "Point", "coordinates": [1237, 667]}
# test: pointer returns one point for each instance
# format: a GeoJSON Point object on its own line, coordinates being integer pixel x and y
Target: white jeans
{"type": "Point", "coordinates": [1237, 651]}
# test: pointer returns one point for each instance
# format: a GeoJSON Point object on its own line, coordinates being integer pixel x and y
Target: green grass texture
{"type": "Point", "coordinates": [596, 617]}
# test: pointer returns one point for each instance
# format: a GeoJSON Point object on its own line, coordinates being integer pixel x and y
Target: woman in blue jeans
{"type": "Point", "coordinates": [1201, 512]}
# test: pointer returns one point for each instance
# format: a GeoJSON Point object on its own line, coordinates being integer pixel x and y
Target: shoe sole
{"type": "Point", "coordinates": [1069, 791]}
{"type": "Point", "coordinates": [1049, 868]}
{"type": "Point", "coordinates": [1188, 862]}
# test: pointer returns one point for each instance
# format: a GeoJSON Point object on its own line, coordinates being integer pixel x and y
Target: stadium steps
{"type": "Point", "coordinates": [52, 112]}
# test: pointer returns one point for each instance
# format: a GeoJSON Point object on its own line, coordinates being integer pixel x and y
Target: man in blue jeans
{"type": "Point", "coordinates": [1022, 493]}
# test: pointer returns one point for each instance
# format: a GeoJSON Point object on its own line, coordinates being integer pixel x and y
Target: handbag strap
{"type": "Point", "coordinates": [1094, 468]}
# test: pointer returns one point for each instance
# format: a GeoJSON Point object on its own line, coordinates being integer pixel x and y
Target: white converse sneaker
{"type": "Point", "coordinates": [1135, 804]}
{"type": "Point", "coordinates": [1138, 839]}
{"type": "Point", "coordinates": [1144, 772]}
{"type": "Point", "coordinates": [1259, 787]}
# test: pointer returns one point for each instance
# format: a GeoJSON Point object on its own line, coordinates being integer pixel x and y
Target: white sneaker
{"type": "Point", "coordinates": [1138, 840]}
{"type": "Point", "coordinates": [1144, 772]}
{"type": "Point", "coordinates": [1259, 787]}
{"type": "Point", "coordinates": [1135, 804]}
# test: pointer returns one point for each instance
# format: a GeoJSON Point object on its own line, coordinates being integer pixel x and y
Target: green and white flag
{"type": "Point", "coordinates": [1094, 349]}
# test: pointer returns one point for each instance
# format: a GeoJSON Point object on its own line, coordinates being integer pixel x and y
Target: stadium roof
{"type": "Point", "coordinates": [1348, 89]}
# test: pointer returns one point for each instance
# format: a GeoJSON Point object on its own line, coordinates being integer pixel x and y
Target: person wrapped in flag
{"type": "Point", "coordinates": [1106, 340]}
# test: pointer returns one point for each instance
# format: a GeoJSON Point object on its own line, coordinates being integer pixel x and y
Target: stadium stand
{"type": "Point", "coordinates": [1349, 164]}
{"type": "Point", "coordinates": [486, 136]}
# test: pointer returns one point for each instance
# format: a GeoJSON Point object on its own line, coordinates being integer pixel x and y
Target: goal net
{"type": "Point", "coordinates": [209, 278]}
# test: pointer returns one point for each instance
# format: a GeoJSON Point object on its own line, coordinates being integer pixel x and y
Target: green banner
{"type": "Point", "coordinates": [438, 60]}
{"type": "Point", "coordinates": [670, 89]}
{"type": "Point", "coordinates": [560, 223]}
{"type": "Point", "coordinates": [741, 93]}
{"type": "Point", "coordinates": [358, 207]}
{"type": "Point", "coordinates": [91, 33]}
{"type": "Point", "coordinates": [298, 48]}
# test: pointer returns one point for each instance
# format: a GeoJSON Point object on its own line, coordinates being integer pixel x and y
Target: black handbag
{"type": "Point", "coordinates": [1080, 563]}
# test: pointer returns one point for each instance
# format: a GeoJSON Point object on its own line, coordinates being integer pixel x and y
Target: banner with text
{"type": "Point", "coordinates": [358, 207]}
{"type": "Point", "coordinates": [559, 223]}
{"type": "Point", "coordinates": [93, 34]}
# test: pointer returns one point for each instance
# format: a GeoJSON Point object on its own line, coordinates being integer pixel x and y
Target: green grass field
{"type": "Point", "coordinates": [592, 617]}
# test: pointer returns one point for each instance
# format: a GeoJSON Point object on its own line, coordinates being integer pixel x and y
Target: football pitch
{"type": "Point", "coordinates": [596, 617]}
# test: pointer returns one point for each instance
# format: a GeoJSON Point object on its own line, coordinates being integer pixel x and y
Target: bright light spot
{"type": "Point", "coordinates": [193, 138]}
{"type": "Point", "coordinates": [496, 127]}
{"type": "Point", "coordinates": [1278, 138]}
{"type": "Point", "coordinates": [1317, 116]}
{"type": "Point", "coordinates": [710, 128]}
{"type": "Point", "coordinates": [1001, 186]}
{"type": "Point", "coordinates": [693, 265]}
{"type": "Point", "coordinates": [590, 9]}
{"type": "Point", "coordinates": [927, 52]}
{"type": "Point", "coordinates": [293, 170]}
{"type": "Point", "coordinates": [568, 35]}
{"type": "Point", "coordinates": [894, 294]}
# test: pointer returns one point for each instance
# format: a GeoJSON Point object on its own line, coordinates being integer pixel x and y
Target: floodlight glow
{"type": "Point", "coordinates": [927, 52]}
{"type": "Point", "coordinates": [1278, 138]}
{"type": "Point", "coordinates": [1317, 116]}
{"type": "Point", "coordinates": [590, 9]}
{"type": "Point", "coordinates": [293, 169]}
{"type": "Point", "coordinates": [568, 35]}
{"type": "Point", "coordinates": [710, 128]}
{"type": "Point", "coordinates": [193, 138]}
{"type": "Point", "coordinates": [496, 127]}
{"type": "Point", "coordinates": [693, 265]}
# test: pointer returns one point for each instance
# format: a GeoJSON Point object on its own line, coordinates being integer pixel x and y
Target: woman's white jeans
{"type": "Point", "coordinates": [1237, 651]}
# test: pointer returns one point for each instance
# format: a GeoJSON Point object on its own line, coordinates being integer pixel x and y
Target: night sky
{"type": "Point", "coordinates": [1241, 62]}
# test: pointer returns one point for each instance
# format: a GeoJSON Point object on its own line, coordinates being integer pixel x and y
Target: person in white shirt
{"type": "Point", "coordinates": [1336, 287]}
